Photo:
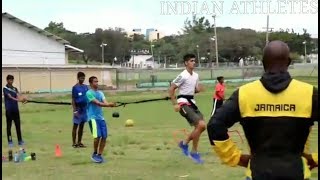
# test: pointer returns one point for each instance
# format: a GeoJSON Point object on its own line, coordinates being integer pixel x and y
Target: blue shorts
{"type": "Point", "coordinates": [98, 128]}
{"type": "Point", "coordinates": [82, 117]}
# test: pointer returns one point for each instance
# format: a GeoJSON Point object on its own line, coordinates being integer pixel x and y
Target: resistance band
{"type": "Point", "coordinates": [47, 102]}
{"type": "Point", "coordinates": [118, 103]}
{"type": "Point", "coordinates": [142, 101]}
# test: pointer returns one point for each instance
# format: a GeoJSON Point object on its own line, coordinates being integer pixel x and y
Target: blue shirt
{"type": "Point", "coordinates": [94, 111]}
{"type": "Point", "coordinates": [79, 96]}
{"type": "Point", "coordinates": [10, 104]}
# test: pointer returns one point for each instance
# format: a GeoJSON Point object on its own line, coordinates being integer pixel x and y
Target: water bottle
{"type": "Point", "coordinates": [24, 154]}
{"type": "Point", "coordinates": [16, 157]}
{"type": "Point", "coordinates": [10, 157]}
{"type": "Point", "coordinates": [21, 155]}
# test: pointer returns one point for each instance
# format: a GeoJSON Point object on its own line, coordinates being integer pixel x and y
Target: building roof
{"type": "Point", "coordinates": [30, 26]}
{"type": "Point", "coordinates": [72, 48]}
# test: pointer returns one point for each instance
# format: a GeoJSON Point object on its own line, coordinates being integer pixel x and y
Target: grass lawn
{"type": "Point", "coordinates": [146, 151]}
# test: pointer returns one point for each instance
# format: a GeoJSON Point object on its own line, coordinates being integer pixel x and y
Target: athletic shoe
{"type": "Point", "coordinates": [101, 158]}
{"type": "Point", "coordinates": [95, 158]}
{"type": "Point", "coordinates": [10, 144]}
{"type": "Point", "coordinates": [80, 145]}
{"type": "Point", "coordinates": [184, 148]}
{"type": "Point", "coordinates": [75, 145]}
{"type": "Point", "coordinates": [20, 143]}
{"type": "Point", "coordinates": [195, 156]}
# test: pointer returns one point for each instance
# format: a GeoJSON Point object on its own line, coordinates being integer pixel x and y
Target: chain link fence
{"type": "Point", "coordinates": [61, 79]}
{"type": "Point", "coordinates": [135, 79]}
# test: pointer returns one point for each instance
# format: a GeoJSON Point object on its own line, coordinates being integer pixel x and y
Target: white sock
{"type": "Point", "coordinates": [184, 143]}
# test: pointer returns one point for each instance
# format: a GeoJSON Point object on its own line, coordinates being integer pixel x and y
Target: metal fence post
{"type": "Point", "coordinates": [117, 79]}
{"type": "Point", "coordinates": [50, 80]}
{"type": "Point", "coordinates": [126, 79]}
{"type": "Point", "coordinates": [242, 70]}
{"type": "Point", "coordinates": [312, 70]}
{"type": "Point", "coordinates": [102, 72]}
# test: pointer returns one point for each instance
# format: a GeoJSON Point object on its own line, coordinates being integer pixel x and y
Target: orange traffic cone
{"type": "Point", "coordinates": [58, 151]}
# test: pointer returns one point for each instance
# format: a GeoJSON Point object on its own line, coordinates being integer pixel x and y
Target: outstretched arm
{"type": "Point", "coordinates": [92, 99]}
{"type": "Point", "coordinates": [224, 118]}
{"type": "Point", "coordinates": [108, 104]}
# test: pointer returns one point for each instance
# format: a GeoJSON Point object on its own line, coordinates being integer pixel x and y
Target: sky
{"type": "Point", "coordinates": [167, 16]}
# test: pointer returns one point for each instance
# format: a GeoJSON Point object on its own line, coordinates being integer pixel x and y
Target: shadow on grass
{"type": "Point", "coordinates": [81, 163]}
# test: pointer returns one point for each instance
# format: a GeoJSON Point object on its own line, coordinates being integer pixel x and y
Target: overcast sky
{"type": "Point", "coordinates": [166, 16]}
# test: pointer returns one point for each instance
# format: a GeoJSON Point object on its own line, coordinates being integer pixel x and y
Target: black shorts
{"type": "Point", "coordinates": [193, 116]}
{"type": "Point", "coordinates": [216, 105]}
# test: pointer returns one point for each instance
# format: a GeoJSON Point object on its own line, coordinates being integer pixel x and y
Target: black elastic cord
{"type": "Point", "coordinates": [118, 103]}
{"type": "Point", "coordinates": [141, 101]}
{"type": "Point", "coordinates": [48, 102]}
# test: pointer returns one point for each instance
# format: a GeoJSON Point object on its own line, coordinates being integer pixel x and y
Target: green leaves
{"type": "Point", "coordinates": [195, 38]}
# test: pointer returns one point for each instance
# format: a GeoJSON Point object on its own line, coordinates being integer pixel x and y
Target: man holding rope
{"type": "Point", "coordinates": [97, 122]}
{"type": "Point", "coordinates": [11, 99]}
{"type": "Point", "coordinates": [188, 84]}
{"type": "Point", "coordinates": [276, 122]}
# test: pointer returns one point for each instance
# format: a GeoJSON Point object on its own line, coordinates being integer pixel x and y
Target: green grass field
{"type": "Point", "coordinates": [143, 152]}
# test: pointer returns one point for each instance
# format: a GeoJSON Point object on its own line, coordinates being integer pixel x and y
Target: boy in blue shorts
{"type": "Point", "coordinates": [97, 123]}
{"type": "Point", "coordinates": [79, 104]}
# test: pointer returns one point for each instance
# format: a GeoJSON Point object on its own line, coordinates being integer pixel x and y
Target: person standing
{"type": "Point", "coordinates": [218, 96]}
{"type": "Point", "coordinates": [11, 99]}
{"type": "Point", "coordinates": [79, 105]}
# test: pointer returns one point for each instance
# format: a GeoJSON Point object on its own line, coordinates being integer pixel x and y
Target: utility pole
{"type": "Point", "coordinates": [102, 52]}
{"type": "Point", "coordinates": [151, 45]}
{"type": "Point", "coordinates": [267, 30]}
{"type": "Point", "coordinates": [198, 55]}
{"type": "Point", "coordinates": [216, 39]}
{"type": "Point", "coordinates": [132, 54]}
{"type": "Point", "coordinates": [305, 51]}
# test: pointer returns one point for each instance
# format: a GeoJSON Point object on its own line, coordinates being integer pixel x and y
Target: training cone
{"type": "Point", "coordinates": [58, 151]}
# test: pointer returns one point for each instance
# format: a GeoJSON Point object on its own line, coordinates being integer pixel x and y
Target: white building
{"type": "Point", "coordinates": [313, 58]}
{"type": "Point", "coordinates": [134, 31]}
{"type": "Point", "coordinates": [155, 35]}
{"type": "Point", "coordinates": [141, 61]}
{"type": "Point", "coordinates": [25, 44]}
{"type": "Point", "coordinates": [150, 35]}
